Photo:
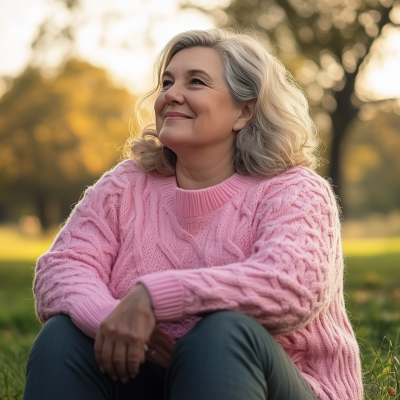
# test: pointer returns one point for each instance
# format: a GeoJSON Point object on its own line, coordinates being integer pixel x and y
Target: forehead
{"type": "Point", "coordinates": [202, 58]}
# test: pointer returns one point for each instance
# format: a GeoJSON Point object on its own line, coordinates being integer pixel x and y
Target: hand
{"type": "Point", "coordinates": [121, 338]}
{"type": "Point", "coordinates": [160, 347]}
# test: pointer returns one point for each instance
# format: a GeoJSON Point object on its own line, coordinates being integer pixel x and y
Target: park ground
{"type": "Point", "coordinates": [372, 294]}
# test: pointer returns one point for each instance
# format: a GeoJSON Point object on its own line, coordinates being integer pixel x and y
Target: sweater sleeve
{"type": "Point", "coordinates": [288, 278]}
{"type": "Point", "coordinates": [72, 277]}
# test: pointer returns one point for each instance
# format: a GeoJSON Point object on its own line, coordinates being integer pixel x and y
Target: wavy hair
{"type": "Point", "coordinates": [282, 133]}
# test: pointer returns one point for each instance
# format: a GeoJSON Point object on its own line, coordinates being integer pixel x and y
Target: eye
{"type": "Point", "coordinates": [197, 81]}
{"type": "Point", "coordinates": [166, 83]}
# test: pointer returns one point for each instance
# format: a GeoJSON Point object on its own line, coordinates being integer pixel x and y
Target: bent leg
{"type": "Point", "coordinates": [229, 355]}
{"type": "Point", "coordinates": [62, 365]}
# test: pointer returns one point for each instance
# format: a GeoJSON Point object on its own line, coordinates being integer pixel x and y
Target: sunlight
{"type": "Point", "coordinates": [380, 78]}
{"type": "Point", "coordinates": [125, 36]}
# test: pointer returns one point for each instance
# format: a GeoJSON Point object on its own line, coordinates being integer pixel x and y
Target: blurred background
{"type": "Point", "coordinates": [71, 71]}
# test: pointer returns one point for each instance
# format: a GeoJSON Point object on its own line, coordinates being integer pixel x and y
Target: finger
{"type": "Point", "coordinates": [119, 360]}
{"type": "Point", "coordinates": [157, 358]}
{"type": "Point", "coordinates": [143, 354]}
{"type": "Point", "coordinates": [159, 332]}
{"type": "Point", "coordinates": [135, 354]}
{"type": "Point", "coordinates": [107, 358]}
{"type": "Point", "coordinates": [163, 340]}
{"type": "Point", "coordinates": [167, 344]}
{"type": "Point", "coordinates": [162, 346]}
{"type": "Point", "coordinates": [98, 347]}
{"type": "Point", "coordinates": [159, 352]}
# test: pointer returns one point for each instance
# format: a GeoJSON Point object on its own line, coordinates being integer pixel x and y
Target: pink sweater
{"type": "Point", "coordinates": [269, 248]}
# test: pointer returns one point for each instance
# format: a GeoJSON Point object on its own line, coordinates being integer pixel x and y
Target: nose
{"type": "Point", "coordinates": [174, 95]}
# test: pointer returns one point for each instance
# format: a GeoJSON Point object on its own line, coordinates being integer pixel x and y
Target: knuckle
{"type": "Point", "coordinates": [131, 338]}
{"type": "Point", "coordinates": [132, 360]}
{"type": "Point", "coordinates": [107, 362]}
{"type": "Point", "coordinates": [110, 329]}
{"type": "Point", "coordinates": [119, 361]}
{"type": "Point", "coordinates": [103, 325]}
{"type": "Point", "coordinates": [126, 336]}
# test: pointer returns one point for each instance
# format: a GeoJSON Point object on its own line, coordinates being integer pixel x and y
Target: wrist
{"type": "Point", "coordinates": [166, 294]}
{"type": "Point", "coordinates": [144, 294]}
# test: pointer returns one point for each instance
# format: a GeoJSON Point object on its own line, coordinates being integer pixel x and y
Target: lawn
{"type": "Point", "coordinates": [372, 286]}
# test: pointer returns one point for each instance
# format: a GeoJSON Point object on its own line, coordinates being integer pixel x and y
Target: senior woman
{"type": "Point", "coordinates": [208, 266]}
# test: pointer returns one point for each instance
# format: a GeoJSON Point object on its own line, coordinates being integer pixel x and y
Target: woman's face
{"type": "Point", "coordinates": [194, 107]}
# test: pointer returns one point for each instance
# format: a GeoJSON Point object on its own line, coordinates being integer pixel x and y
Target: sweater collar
{"type": "Point", "coordinates": [191, 203]}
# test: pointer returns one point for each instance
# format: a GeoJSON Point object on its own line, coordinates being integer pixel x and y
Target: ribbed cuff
{"type": "Point", "coordinates": [166, 294]}
{"type": "Point", "coordinates": [88, 314]}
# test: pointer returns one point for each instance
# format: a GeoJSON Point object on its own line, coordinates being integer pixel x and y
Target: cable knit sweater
{"type": "Point", "coordinates": [269, 248]}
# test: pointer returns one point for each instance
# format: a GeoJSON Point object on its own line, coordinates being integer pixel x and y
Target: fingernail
{"type": "Point", "coordinates": [102, 369]}
{"type": "Point", "coordinates": [114, 378]}
{"type": "Point", "coordinates": [124, 380]}
{"type": "Point", "coordinates": [133, 376]}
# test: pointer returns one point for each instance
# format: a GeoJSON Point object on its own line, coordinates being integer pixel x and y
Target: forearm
{"type": "Point", "coordinates": [64, 284]}
{"type": "Point", "coordinates": [280, 304]}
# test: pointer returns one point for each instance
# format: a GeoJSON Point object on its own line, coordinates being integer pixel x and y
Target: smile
{"type": "Point", "coordinates": [176, 115]}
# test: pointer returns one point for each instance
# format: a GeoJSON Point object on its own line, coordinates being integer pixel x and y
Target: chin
{"type": "Point", "coordinates": [172, 137]}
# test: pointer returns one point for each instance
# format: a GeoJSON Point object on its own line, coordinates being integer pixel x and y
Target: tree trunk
{"type": "Point", "coordinates": [341, 118]}
{"type": "Point", "coordinates": [346, 112]}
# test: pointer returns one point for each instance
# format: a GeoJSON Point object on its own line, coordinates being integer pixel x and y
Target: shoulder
{"type": "Point", "coordinates": [119, 178]}
{"type": "Point", "coordinates": [115, 184]}
{"type": "Point", "coordinates": [298, 185]}
{"type": "Point", "coordinates": [298, 197]}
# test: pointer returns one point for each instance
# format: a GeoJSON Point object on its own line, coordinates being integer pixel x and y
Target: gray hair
{"type": "Point", "coordinates": [282, 133]}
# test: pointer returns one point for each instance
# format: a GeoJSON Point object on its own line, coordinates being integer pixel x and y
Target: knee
{"type": "Point", "coordinates": [226, 321]}
{"type": "Point", "coordinates": [219, 340]}
{"type": "Point", "coordinates": [225, 329]}
{"type": "Point", "coordinates": [56, 340]}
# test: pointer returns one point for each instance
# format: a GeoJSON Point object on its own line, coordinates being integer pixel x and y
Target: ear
{"type": "Point", "coordinates": [245, 116]}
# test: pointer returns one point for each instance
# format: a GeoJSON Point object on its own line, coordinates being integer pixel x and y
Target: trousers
{"type": "Point", "coordinates": [226, 356]}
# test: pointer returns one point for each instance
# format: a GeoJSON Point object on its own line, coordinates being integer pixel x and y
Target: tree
{"type": "Point", "coordinates": [59, 135]}
{"type": "Point", "coordinates": [371, 163]}
{"type": "Point", "coordinates": [324, 43]}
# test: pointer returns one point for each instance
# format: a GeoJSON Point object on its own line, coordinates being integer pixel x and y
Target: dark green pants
{"type": "Point", "coordinates": [226, 356]}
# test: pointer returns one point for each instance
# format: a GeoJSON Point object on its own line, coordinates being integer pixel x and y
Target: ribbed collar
{"type": "Point", "coordinates": [191, 203]}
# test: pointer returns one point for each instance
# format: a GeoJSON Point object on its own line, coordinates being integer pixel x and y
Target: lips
{"type": "Point", "coordinates": [176, 115]}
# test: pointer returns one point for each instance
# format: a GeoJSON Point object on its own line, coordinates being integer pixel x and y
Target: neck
{"type": "Point", "coordinates": [200, 171]}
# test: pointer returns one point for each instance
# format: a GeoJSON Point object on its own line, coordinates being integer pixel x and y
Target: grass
{"type": "Point", "coordinates": [18, 246]}
{"type": "Point", "coordinates": [372, 287]}
{"type": "Point", "coordinates": [371, 247]}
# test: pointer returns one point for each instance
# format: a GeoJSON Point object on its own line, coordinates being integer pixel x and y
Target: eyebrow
{"type": "Point", "coordinates": [190, 72]}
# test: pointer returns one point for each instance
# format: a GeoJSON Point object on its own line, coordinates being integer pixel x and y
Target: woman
{"type": "Point", "coordinates": [208, 266]}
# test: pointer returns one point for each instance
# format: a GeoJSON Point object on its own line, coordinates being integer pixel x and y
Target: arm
{"type": "Point", "coordinates": [72, 277]}
{"type": "Point", "coordinates": [289, 276]}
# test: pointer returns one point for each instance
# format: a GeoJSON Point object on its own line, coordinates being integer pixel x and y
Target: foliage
{"type": "Point", "coordinates": [372, 296]}
{"type": "Point", "coordinates": [371, 163]}
{"type": "Point", "coordinates": [324, 43]}
{"type": "Point", "coordinates": [59, 135]}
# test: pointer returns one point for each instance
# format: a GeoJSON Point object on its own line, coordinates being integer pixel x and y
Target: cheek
{"type": "Point", "coordinates": [205, 108]}
{"type": "Point", "coordinates": [158, 109]}
{"type": "Point", "coordinates": [214, 113]}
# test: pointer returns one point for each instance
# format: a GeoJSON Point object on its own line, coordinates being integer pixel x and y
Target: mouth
{"type": "Point", "coordinates": [176, 115]}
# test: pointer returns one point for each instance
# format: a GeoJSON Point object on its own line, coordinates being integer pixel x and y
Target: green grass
{"type": "Point", "coordinates": [372, 286]}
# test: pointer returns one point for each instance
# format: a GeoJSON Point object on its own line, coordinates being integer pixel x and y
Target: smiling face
{"type": "Point", "coordinates": [194, 108]}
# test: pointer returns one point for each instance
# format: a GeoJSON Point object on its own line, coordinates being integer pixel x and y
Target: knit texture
{"type": "Point", "coordinates": [269, 248]}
